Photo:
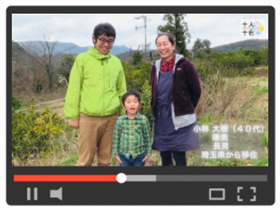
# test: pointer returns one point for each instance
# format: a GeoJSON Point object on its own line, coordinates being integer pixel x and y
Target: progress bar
{"type": "Point", "coordinates": [121, 178]}
{"type": "Point", "coordinates": [65, 178]}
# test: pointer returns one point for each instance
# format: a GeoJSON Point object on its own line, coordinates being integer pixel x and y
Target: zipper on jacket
{"type": "Point", "coordinates": [103, 90]}
{"type": "Point", "coordinates": [110, 75]}
{"type": "Point", "coordinates": [103, 107]}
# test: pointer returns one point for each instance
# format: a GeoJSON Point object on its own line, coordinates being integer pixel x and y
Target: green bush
{"type": "Point", "coordinates": [146, 102]}
{"type": "Point", "coordinates": [228, 64]}
{"type": "Point", "coordinates": [206, 120]}
{"type": "Point", "coordinates": [205, 67]}
{"type": "Point", "coordinates": [15, 104]}
{"type": "Point", "coordinates": [136, 75]}
{"type": "Point", "coordinates": [33, 133]}
{"type": "Point", "coordinates": [264, 140]}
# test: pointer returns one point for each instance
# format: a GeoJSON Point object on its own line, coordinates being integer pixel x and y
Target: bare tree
{"type": "Point", "coordinates": [43, 54]}
{"type": "Point", "coordinates": [43, 59]}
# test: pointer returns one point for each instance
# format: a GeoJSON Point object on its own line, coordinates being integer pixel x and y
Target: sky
{"type": "Point", "coordinates": [219, 29]}
{"type": "Point", "coordinates": [85, 39]}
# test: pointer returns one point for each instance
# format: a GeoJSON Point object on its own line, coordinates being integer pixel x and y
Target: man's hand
{"type": "Point", "coordinates": [74, 123]}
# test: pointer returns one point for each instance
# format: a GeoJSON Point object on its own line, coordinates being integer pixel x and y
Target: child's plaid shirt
{"type": "Point", "coordinates": [132, 136]}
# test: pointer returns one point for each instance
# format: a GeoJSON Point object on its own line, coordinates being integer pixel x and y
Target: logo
{"type": "Point", "coordinates": [252, 28]}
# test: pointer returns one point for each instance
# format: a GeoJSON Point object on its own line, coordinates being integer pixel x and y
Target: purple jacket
{"type": "Point", "coordinates": [186, 86]}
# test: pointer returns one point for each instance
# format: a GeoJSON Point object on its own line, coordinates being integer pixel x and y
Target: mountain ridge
{"type": "Point", "coordinates": [250, 44]}
{"type": "Point", "coordinates": [67, 47]}
{"type": "Point", "coordinates": [123, 51]}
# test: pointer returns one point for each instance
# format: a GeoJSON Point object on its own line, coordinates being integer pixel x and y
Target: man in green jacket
{"type": "Point", "coordinates": [93, 98]}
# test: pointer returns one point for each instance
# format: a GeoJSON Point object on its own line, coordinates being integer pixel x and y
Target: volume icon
{"type": "Point", "coordinates": [35, 193]}
{"type": "Point", "coordinates": [56, 193]}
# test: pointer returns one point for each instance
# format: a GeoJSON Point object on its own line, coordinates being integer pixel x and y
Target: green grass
{"type": "Point", "coordinates": [260, 89]}
{"type": "Point", "coordinates": [264, 80]}
{"type": "Point", "coordinates": [261, 161]}
{"type": "Point", "coordinates": [71, 161]}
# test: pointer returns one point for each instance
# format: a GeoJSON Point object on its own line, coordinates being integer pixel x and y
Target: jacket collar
{"type": "Point", "coordinates": [95, 53]}
{"type": "Point", "coordinates": [157, 63]}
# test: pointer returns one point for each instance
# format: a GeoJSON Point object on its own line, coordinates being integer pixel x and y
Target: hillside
{"type": "Point", "coordinates": [253, 44]}
{"type": "Point", "coordinates": [68, 47]}
{"type": "Point", "coordinates": [124, 52]}
{"type": "Point", "coordinates": [20, 55]}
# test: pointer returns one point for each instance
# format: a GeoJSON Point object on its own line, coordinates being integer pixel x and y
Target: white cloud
{"type": "Point", "coordinates": [77, 28]}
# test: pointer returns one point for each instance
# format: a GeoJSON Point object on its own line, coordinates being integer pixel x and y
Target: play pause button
{"type": "Point", "coordinates": [30, 193]}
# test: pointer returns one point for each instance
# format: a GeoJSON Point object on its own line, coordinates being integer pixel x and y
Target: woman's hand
{"type": "Point", "coordinates": [145, 159]}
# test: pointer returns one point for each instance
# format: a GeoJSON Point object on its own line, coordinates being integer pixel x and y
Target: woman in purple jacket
{"type": "Point", "coordinates": [176, 90]}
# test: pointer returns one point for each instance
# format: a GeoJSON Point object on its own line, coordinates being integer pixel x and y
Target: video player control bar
{"type": "Point", "coordinates": [121, 178]}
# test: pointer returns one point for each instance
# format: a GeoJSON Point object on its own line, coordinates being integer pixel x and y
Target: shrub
{"type": "Point", "coordinates": [33, 133]}
{"type": "Point", "coordinates": [15, 103]}
{"type": "Point", "coordinates": [146, 101]}
{"type": "Point", "coordinates": [264, 140]}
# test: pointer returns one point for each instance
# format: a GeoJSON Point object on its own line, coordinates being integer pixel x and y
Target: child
{"type": "Point", "coordinates": [132, 134]}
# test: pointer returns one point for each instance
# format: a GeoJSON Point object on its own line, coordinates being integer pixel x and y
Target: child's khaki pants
{"type": "Point", "coordinates": [95, 136]}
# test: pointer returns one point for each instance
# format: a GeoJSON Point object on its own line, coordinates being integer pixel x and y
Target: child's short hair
{"type": "Point", "coordinates": [129, 93]}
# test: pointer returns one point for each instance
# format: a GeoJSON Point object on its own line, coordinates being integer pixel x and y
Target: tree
{"type": "Point", "coordinates": [137, 57]}
{"type": "Point", "coordinates": [206, 44]}
{"type": "Point", "coordinates": [201, 48]}
{"type": "Point", "coordinates": [179, 28]}
{"type": "Point", "coordinates": [64, 68]}
{"type": "Point", "coordinates": [43, 54]}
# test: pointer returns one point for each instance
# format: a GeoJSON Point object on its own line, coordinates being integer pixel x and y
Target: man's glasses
{"type": "Point", "coordinates": [103, 41]}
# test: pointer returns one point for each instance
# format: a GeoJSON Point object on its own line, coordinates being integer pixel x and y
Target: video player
{"type": "Point", "coordinates": [233, 51]}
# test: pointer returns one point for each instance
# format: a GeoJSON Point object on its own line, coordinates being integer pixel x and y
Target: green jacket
{"type": "Point", "coordinates": [96, 85]}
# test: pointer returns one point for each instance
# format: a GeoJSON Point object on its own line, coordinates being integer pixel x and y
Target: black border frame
{"type": "Point", "coordinates": [270, 170]}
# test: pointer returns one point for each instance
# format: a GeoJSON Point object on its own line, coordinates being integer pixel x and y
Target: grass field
{"type": "Point", "coordinates": [234, 102]}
